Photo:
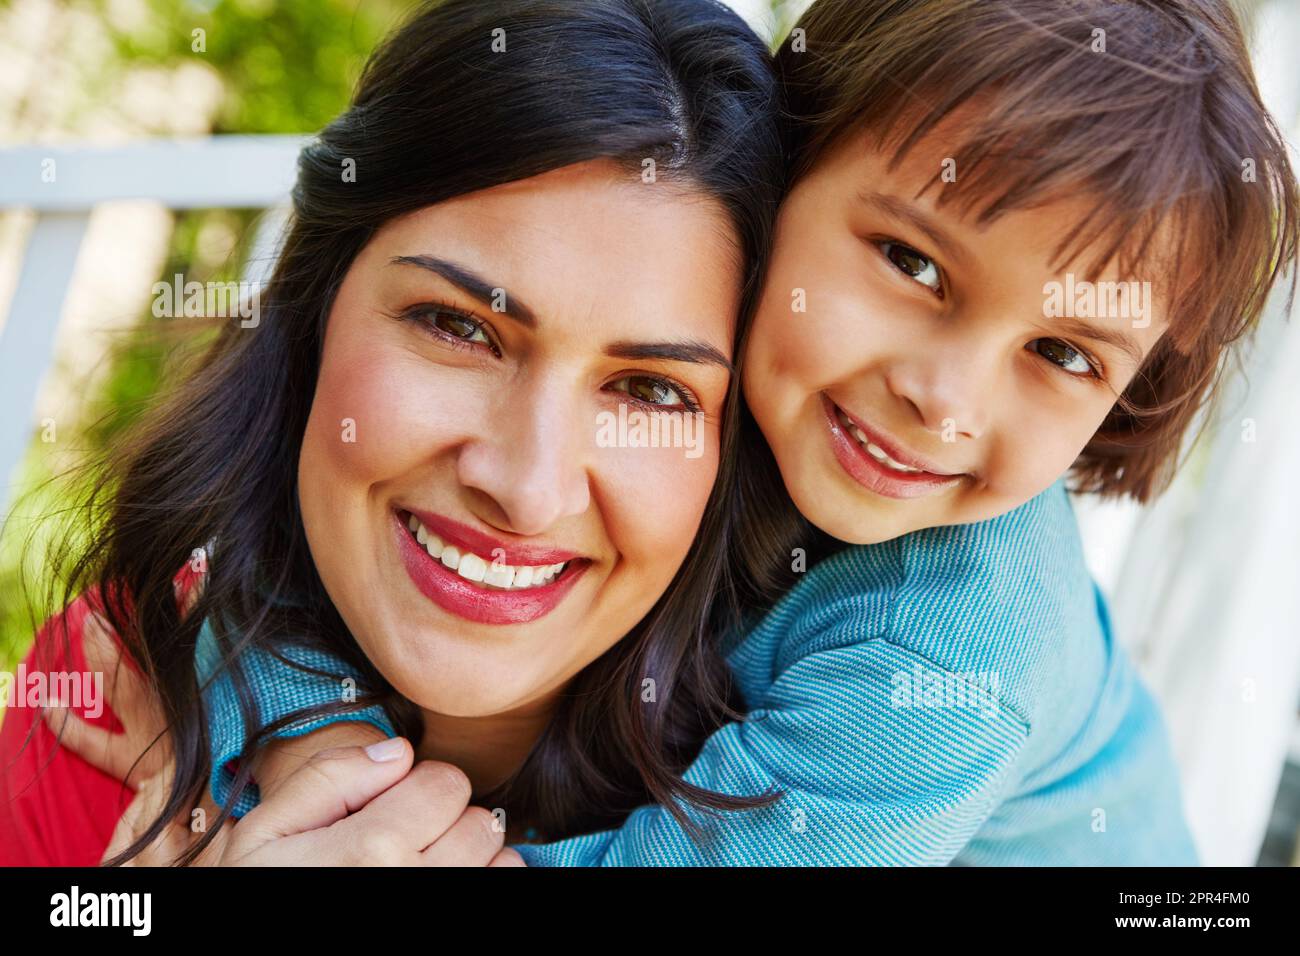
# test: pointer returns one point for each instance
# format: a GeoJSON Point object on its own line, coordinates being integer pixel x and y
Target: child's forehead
{"type": "Point", "coordinates": [1068, 225]}
{"type": "Point", "coordinates": [1015, 255]}
{"type": "Point", "coordinates": [920, 184]}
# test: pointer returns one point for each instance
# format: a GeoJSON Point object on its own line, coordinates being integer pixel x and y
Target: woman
{"type": "Point", "coordinates": [531, 215]}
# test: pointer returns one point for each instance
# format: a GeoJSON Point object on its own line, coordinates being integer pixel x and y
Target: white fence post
{"type": "Point", "coordinates": [27, 342]}
{"type": "Point", "coordinates": [63, 185]}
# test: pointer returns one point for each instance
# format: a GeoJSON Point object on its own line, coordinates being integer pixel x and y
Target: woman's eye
{"type": "Point", "coordinates": [651, 391]}
{"type": "Point", "coordinates": [1068, 358]}
{"type": "Point", "coordinates": [459, 326]}
{"type": "Point", "coordinates": [913, 264]}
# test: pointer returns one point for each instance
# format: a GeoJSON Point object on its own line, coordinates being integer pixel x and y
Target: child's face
{"type": "Point", "coordinates": [931, 337]}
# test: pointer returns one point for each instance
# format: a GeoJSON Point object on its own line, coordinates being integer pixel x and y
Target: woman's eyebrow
{"type": "Point", "coordinates": [490, 294]}
{"type": "Point", "coordinates": [699, 353]}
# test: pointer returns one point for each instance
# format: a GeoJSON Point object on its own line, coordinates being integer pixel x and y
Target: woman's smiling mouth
{"type": "Point", "coordinates": [480, 579]}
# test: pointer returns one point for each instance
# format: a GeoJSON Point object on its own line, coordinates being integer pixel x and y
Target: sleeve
{"type": "Point", "coordinates": [278, 690]}
{"type": "Point", "coordinates": [884, 758]}
{"type": "Point", "coordinates": [56, 809]}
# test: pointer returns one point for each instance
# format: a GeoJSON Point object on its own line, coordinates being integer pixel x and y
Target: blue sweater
{"type": "Point", "coordinates": [954, 696]}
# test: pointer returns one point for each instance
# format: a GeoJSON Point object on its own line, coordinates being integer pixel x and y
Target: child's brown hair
{"type": "Point", "coordinates": [1151, 106]}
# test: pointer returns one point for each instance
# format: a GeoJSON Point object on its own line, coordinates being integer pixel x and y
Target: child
{"type": "Point", "coordinates": [1018, 240]}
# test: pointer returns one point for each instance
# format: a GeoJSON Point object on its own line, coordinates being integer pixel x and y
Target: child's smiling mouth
{"type": "Point", "coordinates": [879, 465]}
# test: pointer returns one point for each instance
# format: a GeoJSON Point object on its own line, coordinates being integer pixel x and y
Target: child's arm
{"type": "Point", "coordinates": [872, 773]}
{"type": "Point", "coordinates": [278, 690]}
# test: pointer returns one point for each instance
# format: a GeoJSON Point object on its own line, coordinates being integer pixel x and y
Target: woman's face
{"type": "Point", "coordinates": [477, 361]}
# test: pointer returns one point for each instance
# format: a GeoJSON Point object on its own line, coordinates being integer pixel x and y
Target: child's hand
{"type": "Point", "coordinates": [357, 806]}
{"type": "Point", "coordinates": [368, 812]}
{"type": "Point", "coordinates": [282, 757]}
{"type": "Point", "coordinates": [176, 838]}
{"type": "Point", "coordinates": [142, 752]}
{"type": "Point", "coordinates": [143, 748]}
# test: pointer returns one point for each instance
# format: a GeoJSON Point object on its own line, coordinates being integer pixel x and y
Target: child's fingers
{"type": "Point", "coordinates": [398, 824]}
{"type": "Point", "coordinates": [325, 789]}
{"type": "Point", "coordinates": [128, 692]}
{"type": "Point", "coordinates": [508, 857]}
{"type": "Point", "coordinates": [130, 697]}
{"type": "Point", "coordinates": [178, 835]}
{"type": "Point", "coordinates": [142, 811]}
{"type": "Point", "coordinates": [283, 756]}
{"type": "Point", "coordinates": [473, 840]}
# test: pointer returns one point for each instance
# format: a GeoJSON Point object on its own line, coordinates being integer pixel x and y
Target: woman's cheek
{"type": "Point", "coordinates": [383, 415]}
{"type": "Point", "coordinates": [658, 498]}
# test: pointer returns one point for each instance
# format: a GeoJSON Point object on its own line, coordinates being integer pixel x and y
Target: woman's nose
{"type": "Point", "coordinates": [528, 458]}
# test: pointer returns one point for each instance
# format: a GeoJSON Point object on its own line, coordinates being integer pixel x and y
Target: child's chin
{"type": "Point", "coordinates": [860, 521]}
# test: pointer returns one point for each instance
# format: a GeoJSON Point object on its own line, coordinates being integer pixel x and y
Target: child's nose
{"type": "Point", "coordinates": [948, 393]}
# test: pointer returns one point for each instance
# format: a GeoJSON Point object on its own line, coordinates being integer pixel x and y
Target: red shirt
{"type": "Point", "coordinates": [55, 808]}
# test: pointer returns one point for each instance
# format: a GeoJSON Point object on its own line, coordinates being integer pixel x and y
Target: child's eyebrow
{"type": "Point", "coordinates": [1120, 340]}
{"type": "Point", "coordinates": [904, 211]}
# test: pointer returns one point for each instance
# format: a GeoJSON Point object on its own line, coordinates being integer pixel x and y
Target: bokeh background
{"type": "Point", "coordinates": [1204, 585]}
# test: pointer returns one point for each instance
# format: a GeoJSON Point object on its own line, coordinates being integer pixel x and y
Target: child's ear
{"type": "Point", "coordinates": [284, 755]}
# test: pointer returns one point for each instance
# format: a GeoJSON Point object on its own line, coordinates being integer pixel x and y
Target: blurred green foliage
{"type": "Point", "coordinates": [285, 66]}
{"type": "Point", "coordinates": [288, 66]}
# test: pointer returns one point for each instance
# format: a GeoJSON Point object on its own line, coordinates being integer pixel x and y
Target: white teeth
{"type": "Point", "coordinates": [874, 450]}
{"type": "Point", "coordinates": [433, 545]}
{"type": "Point", "coordinates": [472, 567]}
{"type": "Point", "coordinates": [479, 570]}
{"type": "Point", "coordinates": [502, 577]}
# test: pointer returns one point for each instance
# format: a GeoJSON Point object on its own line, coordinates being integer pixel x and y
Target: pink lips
{"type": "Point", "coordinates": [873, 475]}
{"type": "Point", "coordinates": [471, 601]}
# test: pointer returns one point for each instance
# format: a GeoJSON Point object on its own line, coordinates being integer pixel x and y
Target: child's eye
{"type": "Point", "coordinates": [1066, 356]}
{"type": "Point", "coordinates": [658, 392]}
{"type": "Point", "coordinates": [453, 326]}
{"type": "Point", "coordinates": [914, 264]}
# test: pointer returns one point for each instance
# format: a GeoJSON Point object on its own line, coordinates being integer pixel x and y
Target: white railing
{"type": "Point", "coordinates": [1204, 585]}
{"type": "Point", "coordinates": [63, 186]}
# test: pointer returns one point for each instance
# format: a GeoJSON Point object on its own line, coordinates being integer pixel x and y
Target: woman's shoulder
{"type": "Point", "coordinates": [55, 808]}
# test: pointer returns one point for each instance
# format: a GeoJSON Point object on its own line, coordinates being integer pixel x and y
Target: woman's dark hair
{"type": "Point", "coordinates": [467, 95]}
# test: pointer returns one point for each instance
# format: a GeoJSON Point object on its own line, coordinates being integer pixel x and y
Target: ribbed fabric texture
{"type": "Point", "coordinates": [278, 690]}
{"type": "Point", "coordinates": [954, 696]}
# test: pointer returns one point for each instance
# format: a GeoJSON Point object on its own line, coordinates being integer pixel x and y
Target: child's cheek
{"type": "Point", "coordinates": [1032, 453]}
